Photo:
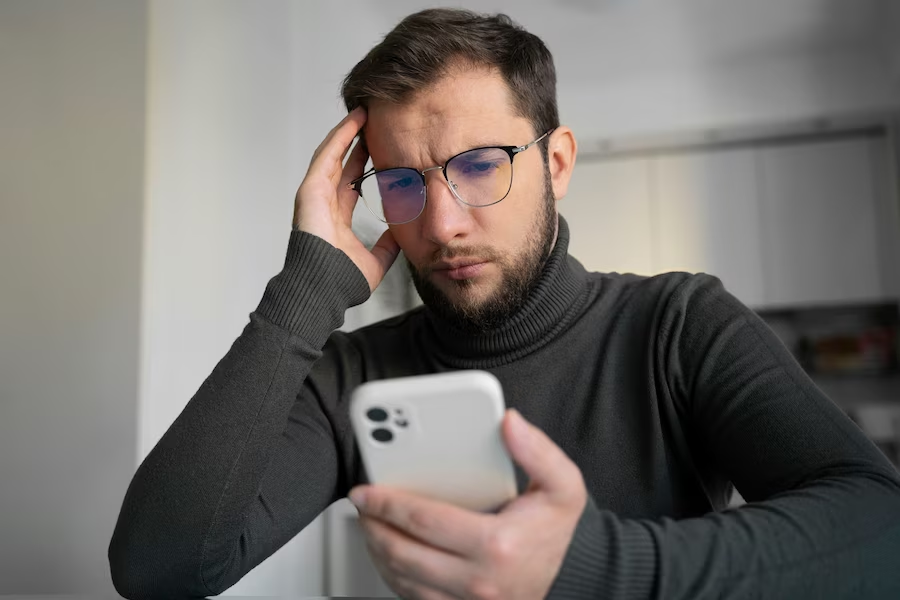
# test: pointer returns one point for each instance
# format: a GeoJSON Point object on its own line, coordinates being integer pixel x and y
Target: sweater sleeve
{"type": "Point", "coordinates": [823, 512]}
{"type": "Point", "coordinates": [251, 459]}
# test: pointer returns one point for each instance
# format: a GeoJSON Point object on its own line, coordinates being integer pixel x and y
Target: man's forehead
{"type": "Point", "coordinates": [430, 138]}
{"type": "Point", "coordinates": [461, 127]}
{"type": "Point", "coordinates": [472, 104]}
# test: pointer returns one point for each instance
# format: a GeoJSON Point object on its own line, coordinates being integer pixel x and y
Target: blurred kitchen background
{"type": "Point", "coordinates": [150, 151]}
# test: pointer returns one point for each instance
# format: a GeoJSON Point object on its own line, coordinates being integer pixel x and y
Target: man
{"type": "Point", "coordinates": [645, 398]}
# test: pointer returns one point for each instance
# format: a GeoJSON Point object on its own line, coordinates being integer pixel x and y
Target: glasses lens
{"type": "Point", "coordinates": [480, 177]}
{"type": "Point", "coordinates": [394, 195]}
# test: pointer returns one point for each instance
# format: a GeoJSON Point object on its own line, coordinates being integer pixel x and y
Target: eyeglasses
{"type": "Point", "coordinates": [477, 177]}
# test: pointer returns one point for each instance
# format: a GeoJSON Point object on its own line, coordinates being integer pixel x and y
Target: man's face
{"type": "Point", "coordinates": [472, 265]}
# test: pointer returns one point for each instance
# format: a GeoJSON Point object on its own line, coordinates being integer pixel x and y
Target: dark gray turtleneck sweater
{"type": "Point", "coordinates": [664, 391]}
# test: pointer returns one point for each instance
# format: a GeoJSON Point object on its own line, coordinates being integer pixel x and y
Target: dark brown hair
{"type": "Point", "coordinates": [424, 45]}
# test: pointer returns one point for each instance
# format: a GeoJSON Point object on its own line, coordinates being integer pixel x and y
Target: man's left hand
{"type": "Point", "coordinates": [432, 550]}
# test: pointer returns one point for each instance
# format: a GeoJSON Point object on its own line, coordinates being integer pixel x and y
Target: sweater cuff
{"type": "Point", "coordinates": [607, 558]}
{"type": "Point", "coordinates": [316, 286]}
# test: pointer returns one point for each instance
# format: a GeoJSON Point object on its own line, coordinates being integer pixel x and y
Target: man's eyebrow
{"type": "Point", "coordinates": [490, 144]}
{"type": "Point", "coordinates": [487, 143]}
{"type": "Point", "coordinates": [475, 146]}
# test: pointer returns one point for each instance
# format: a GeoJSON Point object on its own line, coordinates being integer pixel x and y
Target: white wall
{"type": "Point", "coordinates": [891, 37]}
{"type": "Point", "coordinates": [71, 176]}
{"type": "Point", "coordinates": [781, 89]}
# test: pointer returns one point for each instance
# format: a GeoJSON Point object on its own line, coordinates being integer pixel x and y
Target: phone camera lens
{"type": "Point", "coordinates": [379, 415]}
{"type": "Point", "coordinates": [382, 435]}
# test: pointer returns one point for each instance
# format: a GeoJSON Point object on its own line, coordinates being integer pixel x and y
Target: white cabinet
{"type": "Point", "coordinates": [820, 235]}
{"type": "Point", "coordinates": [707, 218]}
{"type": "Point", "coordinates": [791, 224]}
{"type": "Point", "coordinates": [887, 216]}
{"type": "Point", "coordinates": [607, 208]}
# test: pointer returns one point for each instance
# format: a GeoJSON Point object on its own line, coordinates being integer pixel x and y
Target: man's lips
{"type": "Point", "coordinates": [460, 269]}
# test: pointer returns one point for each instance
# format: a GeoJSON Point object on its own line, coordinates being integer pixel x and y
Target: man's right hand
{"type": "Point", "coordinates": [324, 204]}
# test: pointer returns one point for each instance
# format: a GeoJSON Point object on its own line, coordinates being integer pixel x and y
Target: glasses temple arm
{"type": "Point", "coordinates": [529, 145]}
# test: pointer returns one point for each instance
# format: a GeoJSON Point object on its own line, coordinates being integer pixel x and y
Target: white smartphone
{"type": "Point", "coordinates": [437, 436]}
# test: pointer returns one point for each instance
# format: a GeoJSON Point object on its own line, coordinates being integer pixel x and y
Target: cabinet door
{"type": "Point", "coordinates": [887, 213]}
{"type": "Point", "coordinates": [707, 218]}
{"type": "Point", "coordinates": [819, 233]}
{"type": "Point", "coordinates": [607, 208]}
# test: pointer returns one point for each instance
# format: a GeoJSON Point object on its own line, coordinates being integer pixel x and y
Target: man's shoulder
{"type": "Point", "coordinates": [631, 279]}
{"type": "Point", "coordinates": [662, 285]}
{"type": "Point", "coordinates": [663, 297]}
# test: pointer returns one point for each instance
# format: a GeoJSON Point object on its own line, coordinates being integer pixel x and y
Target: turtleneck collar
{"type": "Point", "coordinates": [553, 302]}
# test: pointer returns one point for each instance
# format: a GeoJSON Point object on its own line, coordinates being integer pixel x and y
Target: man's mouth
{"type": "Point", "coordinates": [460, 269]}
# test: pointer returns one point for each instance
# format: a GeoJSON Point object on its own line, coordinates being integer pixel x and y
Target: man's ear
{"type": "Point", "coordinates": [561, 152]}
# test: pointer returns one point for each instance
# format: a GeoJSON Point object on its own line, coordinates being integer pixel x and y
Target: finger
{"type": "Point", "coordinates": [432, 522]}
{"type": "Point", "coordinates": [410, 590]}
{"type": "Point", "coordinates": [416, 591]}
{"type": "Point", "coordinates": [328, 138]}
{"type": "Point", "coordinates": [355, 166]}
{"type": "Point", "coordinates": [355, 113]}
{"type": "Point", "coordinates": [331, 151]}
{"type": "Point", "coordinates": [403, 557]}
{"type": "Point", "coordinates": [548, 467]}
{"type": "Point", "coordinates": [385, 251]}
{"type": "Point", "coordinates": [356, 163]}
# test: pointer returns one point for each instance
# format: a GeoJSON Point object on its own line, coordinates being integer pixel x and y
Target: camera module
{"type": "Point", "coordinates": [382, 435]}
{"type": "Point", "coordinates": [378, 415]}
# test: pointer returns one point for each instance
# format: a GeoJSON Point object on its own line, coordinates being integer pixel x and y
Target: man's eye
{"type": "Point", "coordinates": [400, 184]}
{"type": "Point", "coordinates": [479, 167]}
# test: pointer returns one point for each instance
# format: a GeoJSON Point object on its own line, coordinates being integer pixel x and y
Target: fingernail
{"type": "Point", "coordinates": [358, 497]}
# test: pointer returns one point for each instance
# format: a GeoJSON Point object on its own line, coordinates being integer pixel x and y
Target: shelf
{"type": "Point", "coordinates": [853, 391]}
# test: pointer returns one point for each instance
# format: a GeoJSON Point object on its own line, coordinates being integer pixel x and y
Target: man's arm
{"type": "Point", "coordinates": [251, 460]}
{"type": "Point", "coordinates": [823, 512]}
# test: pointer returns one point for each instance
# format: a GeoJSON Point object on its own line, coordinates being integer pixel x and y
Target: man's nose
{"type": "Point", "coordinates": [444, 217]}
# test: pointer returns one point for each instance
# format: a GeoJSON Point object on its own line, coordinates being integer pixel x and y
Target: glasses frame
{"type": "Point", "coordinates": [512, 151]}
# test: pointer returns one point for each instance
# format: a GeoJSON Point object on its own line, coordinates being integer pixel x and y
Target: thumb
{"type": "Point", "coordinates": [385, 252]}
{"type": "Point", "coordinates": [548, 467]}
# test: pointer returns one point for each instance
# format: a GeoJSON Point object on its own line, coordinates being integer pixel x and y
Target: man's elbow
{"type": "Point", "coordinates": [129, 576]}
{"type": "Point", "coordinates": [138, 574]}
{"type": "Point", "coordinates": [132, 575]}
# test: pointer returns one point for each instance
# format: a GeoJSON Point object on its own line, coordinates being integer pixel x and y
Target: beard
{"type": "Point", "coordinates": [518, 276]}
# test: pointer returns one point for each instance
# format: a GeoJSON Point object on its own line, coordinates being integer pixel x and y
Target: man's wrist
{"type": "Point", "coordinates": [317, 284]}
